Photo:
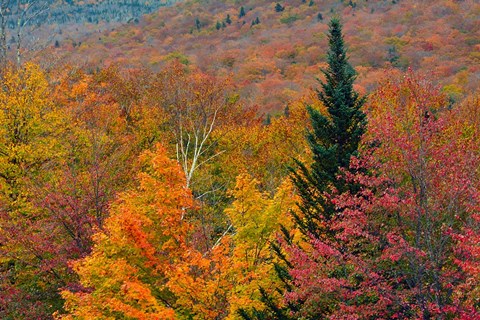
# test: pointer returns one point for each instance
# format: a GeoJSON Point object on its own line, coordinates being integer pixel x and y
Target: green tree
{"type": "Point", "coordinates": [242, 12]}
{"type": "Point", "coordinates": [334, 137]}
{"type": "Point", "coordinates": [279, 7]}
{"type": "Point", "coordinates": [228, 20]}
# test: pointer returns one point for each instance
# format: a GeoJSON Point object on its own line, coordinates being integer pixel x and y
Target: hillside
{"type": "Point", "coordinates": [223, 160]}
{"type": "Point", "coordinates": [41, 23]}
{"type": "Point", "coordinates": [277, 59]}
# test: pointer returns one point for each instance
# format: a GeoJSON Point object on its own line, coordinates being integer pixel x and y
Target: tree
{"type": "Point", "coordinates": [400, 242]}
{"type": "Point", "coordinates": [228, 20]}
{"type": "Point", "coordinates": [195, 105]}
{"type": "Point", "coordinates": [256, 220]}
{"type": "Point", "coordinates": [126, 275]}
{"type": "Point", "coordinates": [327, 225]}
{"type": "Point", "coordinates": [226, 280]}
{"type": "Point", "coordinates": [428, 151]}
{"type": "Point", "coordinates": [31, 128]}
{"type": "Point", "coordinates": [4, 7]}
{"type": "Point", "coordinates": [334, 138]}
{"type": "Point", "coordinates": [340, 274]}
{"type": "Point", "coordinates": [242, 12]}
{"type": "Point", "coordinates": [279, 7]}
{"type": "Point", "coordinates": [23, 13]}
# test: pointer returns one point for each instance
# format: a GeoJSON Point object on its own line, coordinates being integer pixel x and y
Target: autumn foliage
{"type": "Point", "coordinates": [200, 171]}
{"type": "Point", "coordinates": [126, 274]}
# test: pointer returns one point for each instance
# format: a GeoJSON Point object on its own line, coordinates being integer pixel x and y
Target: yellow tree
{"type": "Point", "coordinates": [221, 283]}
{"type": "Point", "coordinates": [126, 274]}
{"type": "Point", "coordinates": [256, 220]}
{"type": "Point", "coordinates": [31, 128]}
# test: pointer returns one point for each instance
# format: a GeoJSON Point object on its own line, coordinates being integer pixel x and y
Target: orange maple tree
{"type": "Point", "coordinates": [125, 276]}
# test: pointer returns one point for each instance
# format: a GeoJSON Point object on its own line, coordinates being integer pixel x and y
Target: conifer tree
{"type": "Point", "coordinates": [242, 12]}
{"type": "Point", "coordinates": [334, 137]}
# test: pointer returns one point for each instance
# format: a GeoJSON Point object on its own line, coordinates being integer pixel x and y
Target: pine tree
{"type": "Point", "coordinates": [228, 19]}
{"type": "Point", "coordinates": [334, 137]}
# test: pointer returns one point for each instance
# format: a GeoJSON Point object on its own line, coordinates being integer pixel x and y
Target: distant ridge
{"type": "Point", "coordinates": [274, 55]}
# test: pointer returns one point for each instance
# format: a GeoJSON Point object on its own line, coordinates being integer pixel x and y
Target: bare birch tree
{"type": "Point", "coordinates": [18, 18]}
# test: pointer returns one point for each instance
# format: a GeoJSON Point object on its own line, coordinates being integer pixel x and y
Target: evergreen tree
{"type": "Point", "coordinates": [334, 137]}
{"type": "Point", "coordinates": [279, 7]}
{"type": "Point", "coordinates": [242, 12]}
{"type": "Point", "coordinates": [228, 20]}
{"type": "Point", "coordinates": [268, 120]}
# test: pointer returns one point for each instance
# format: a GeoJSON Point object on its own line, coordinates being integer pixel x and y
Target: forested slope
{"type": "Point", "coordinates": [30, 26]}
{"type": "Point", "coordinates": [277, 59]}
{"type": "Point", "coordinates": [190, 165]}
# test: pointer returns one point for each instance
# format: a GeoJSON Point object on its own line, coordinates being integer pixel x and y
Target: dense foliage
{"type": "Point", "coordinates": [275, 62]}
{"type": "Point", "coordinates": [164, 192]}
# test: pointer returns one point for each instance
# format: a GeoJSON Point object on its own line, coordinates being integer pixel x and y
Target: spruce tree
{"type": "Point", "coordinates": [242, 12]}
{"type": "Point", "coordinates": [333, 139]}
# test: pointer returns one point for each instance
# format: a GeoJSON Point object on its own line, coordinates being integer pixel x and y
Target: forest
{"type": "Point", "coordinates": [248, 160]}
